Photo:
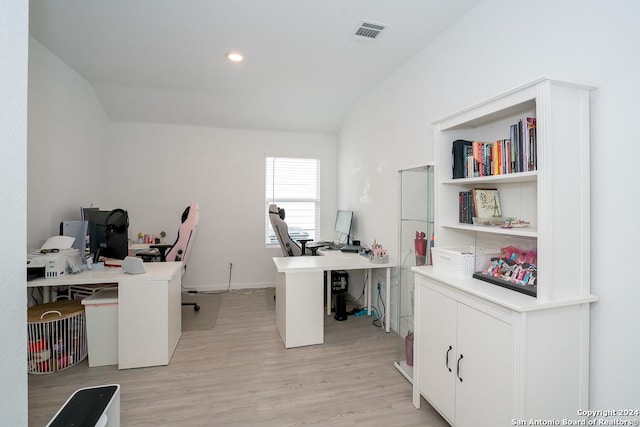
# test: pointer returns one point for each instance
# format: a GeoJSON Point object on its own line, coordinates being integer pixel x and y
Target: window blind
{"type": "Point", "coordinates": [294, 185]}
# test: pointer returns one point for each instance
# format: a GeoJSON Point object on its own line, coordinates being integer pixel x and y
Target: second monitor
{"type": "Point", "coordinates": [108, 233]}
{"type": "Point", "coordinates": [343, 223]}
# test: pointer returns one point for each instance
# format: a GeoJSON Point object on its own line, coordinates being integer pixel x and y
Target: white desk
{"type": "Point", "coordinates": [299, 295]}
{"type": "Point", "coordinates": [149, 310]}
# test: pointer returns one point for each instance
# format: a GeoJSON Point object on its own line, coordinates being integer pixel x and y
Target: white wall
{"type": "Point", "coordinates": [77, 158]}
{"type": "Point", "coordinates": [499, 45]}
{"type": "Point", "coordinates": [67, 144]}
{"type": "Point", "coordinates": [156, 170]}
{"type": "Point", "coordinates": [14, 32]}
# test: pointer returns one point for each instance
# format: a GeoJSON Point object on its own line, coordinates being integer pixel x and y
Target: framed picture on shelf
{"type": "Point", "coordinates": [486, 203]}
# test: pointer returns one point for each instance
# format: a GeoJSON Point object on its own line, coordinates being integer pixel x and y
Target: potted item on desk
{"type": "Point", "coordinates": [378, 254]}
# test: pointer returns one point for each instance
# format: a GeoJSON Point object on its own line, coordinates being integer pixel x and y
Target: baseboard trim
{"type": "Point", "coordinates": [225, 286]}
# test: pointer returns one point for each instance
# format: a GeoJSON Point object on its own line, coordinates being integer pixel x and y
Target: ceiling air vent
{"type": "Point", "coordinates": [369, 30]}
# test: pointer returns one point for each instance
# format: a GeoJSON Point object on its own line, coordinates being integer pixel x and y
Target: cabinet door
{"type": "Point", "coordinates": [484, 362]}
{"type": "Point", "coordinates": [437, 350]}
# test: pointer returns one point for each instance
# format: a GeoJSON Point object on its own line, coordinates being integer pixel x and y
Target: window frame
{"type": "Point", "coordinates": [271, 197]}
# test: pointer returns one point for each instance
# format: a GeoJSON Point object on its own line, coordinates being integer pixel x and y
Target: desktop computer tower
{"type": "Point", "coordinates": [340, 286]}
{"type": "Point", "coordinates": [339, 281]}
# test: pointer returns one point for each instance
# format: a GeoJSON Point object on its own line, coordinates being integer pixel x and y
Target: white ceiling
{"type": "Point", "coordinates": [164, 60]}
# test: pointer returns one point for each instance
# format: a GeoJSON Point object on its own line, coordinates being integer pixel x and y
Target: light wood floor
{"type": "Point", "coordinates": [239, 374]}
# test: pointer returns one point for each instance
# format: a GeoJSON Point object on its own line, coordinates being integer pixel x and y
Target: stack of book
{"type": "Point", "coordinates": [483, 204]}
{"type": "Point", "coordinates": [513, 155]}
{"type": "Point", "coordinates": [466, 209]}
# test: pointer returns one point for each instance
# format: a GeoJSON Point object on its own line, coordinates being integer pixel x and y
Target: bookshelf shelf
{"type": "Point", "coordinates": [497, 327]}
{"type": "Point", "coordinates": [530, 176]}
{"type": "Point", "coordinates": [530, 232]}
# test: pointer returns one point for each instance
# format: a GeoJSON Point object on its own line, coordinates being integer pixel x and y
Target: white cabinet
{"type": "Point", "coordinates": [519, 356]}
{"type": "Point", "coordinates": [465, 356]}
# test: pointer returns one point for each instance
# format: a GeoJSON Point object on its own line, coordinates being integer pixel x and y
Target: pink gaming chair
{"type": "Point", "coordinates": [184, 242]}
{"type": "Point", "coordinates": [181, 248]}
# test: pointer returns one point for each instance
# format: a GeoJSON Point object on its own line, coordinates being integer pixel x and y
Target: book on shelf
{"type": "Point", "coordinates": [480, 203]}
{"type": "Point", "coordinates": [459, 155]}
{"type": "Point", "coordinates": [476, 149]}
{"type": "Point", "coordinates": [466, 208]}
{"type": "Point", "coordinates": [472, 159]}
{"type": "Point", "coordinates": [531, 147]}
{"type": "Point", "coordinates": [486, 203]}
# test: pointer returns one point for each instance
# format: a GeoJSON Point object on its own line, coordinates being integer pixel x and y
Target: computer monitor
{"type": "Point", "coordinates": [343, 223]}
{"type": "Point", "coordinates": [84, 213]}
{"type": "Point", "coordinates": [108, 234]}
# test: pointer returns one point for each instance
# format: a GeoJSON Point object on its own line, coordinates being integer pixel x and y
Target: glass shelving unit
{"type": "Point", "coordinates": [415, 233]}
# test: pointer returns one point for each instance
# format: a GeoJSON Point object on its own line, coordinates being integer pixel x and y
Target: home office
{"type": "Point", "coordinates": [137, 340]}
{"type": "Point", "coordinates": [107, 154]}
{"type": "Point", "coordinates": [305, 267]}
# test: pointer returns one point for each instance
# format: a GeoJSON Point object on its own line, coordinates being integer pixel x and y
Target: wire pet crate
{"type": "Point", "coordinates": [57, 336]}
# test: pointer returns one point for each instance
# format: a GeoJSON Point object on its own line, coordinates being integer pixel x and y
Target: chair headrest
{"type": "Point", "coordinates": [274, 209]}
{"type": "Point", "coordinates": [185, 214]}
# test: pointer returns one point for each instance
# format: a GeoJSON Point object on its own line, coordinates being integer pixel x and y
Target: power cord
{"type": "Point", "coordinates": [194, 291]}
{"type": "Point", "coordinates": [378, 321]}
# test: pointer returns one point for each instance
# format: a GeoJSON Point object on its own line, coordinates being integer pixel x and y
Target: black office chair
{"type": "Point", "coordinates": [281, 229]}
{"type": "Point", "coordinates": [181, 248]}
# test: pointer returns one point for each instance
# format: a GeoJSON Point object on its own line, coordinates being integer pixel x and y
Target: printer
{"type": "Point", "coordinates": [55, 259]}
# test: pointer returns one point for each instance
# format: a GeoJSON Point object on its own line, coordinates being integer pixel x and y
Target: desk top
{"type": "Point", "coordinates": [154, 271]}
{"type": "Point", "coordinates": [329, 260]}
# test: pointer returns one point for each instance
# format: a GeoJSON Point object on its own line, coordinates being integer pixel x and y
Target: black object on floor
{"type": "Point", "coordinates": [341, 307]}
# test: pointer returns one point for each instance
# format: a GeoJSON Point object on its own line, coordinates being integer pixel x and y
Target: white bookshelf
{"type": "Point", "coordinates": [534, 363]}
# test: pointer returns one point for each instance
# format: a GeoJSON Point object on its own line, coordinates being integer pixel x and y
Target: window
{"type": "Point", "coordinates": [294, 185]}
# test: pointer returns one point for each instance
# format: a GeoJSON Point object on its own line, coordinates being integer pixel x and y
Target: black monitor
{"type": "Point", "coordinates": [108, 233]}
{"type": "Point", "coordinates": [343, 223]}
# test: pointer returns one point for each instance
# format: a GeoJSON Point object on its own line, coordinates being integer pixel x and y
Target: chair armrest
{"type": "Point", "coordinates": [303, 243]}
{"type": "Point", "coordinates": [162, 248]}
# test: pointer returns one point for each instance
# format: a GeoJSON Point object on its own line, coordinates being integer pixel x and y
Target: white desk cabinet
{"type": "Point", "coordinates": [149, 309]}
{"type": "Point", "coordinates": [299, 298]}
{"type": "Point", "coordinates": [485, 355]}
{"type": "Point", "coordinates": [154, 307]}
{"type": "Point", "coordinates": [299, 293]}
{"type": "Point", "coordinates": [464, 355]}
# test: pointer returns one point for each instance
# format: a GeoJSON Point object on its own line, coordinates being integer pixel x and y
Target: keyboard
{"type": "Point", "coordinates": [318, 244]}
{"type": "Point", "coordinates": [324, 244]}
{"type": "Point", "coordinates": [335, 246]}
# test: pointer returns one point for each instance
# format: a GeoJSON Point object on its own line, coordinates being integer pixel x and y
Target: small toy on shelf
{"type": "Point", "coordinates": [510, 222]}
{"type": "Point", "coordinates": [515, 269]}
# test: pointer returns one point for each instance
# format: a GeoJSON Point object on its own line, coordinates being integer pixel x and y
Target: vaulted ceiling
{"type": "Point", "coordinates": [165, 60]}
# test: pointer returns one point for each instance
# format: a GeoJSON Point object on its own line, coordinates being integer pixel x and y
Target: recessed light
{"type": "Point", "coordinates": [235, 56]}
